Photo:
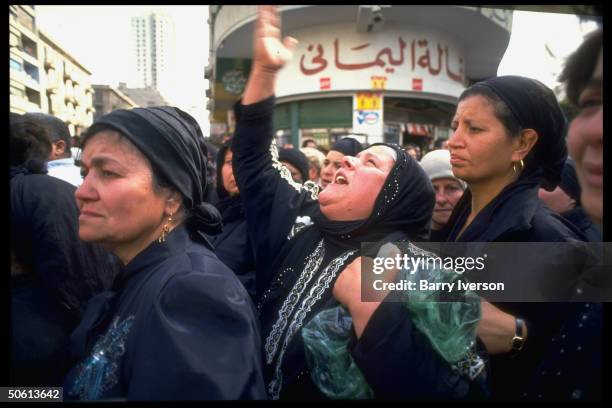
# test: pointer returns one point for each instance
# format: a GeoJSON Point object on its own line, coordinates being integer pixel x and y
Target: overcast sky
{"type": "Point", "coordinates": [99, 37]}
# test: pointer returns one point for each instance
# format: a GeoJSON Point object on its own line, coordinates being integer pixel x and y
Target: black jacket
{"type": "Point", "coordinates": [518, 215]}
{"type": "Point", "coordinates": [233, 245]}
{"type": "Point", "coordinates": [577, 217]}
{"type": "Point", "coordinates": [178, 325]}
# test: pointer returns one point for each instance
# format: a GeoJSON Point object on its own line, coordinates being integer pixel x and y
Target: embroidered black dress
{"type": "Point", "coordinates": [299, 253]}
{"type": "Point", "coordinates": [177, 326]}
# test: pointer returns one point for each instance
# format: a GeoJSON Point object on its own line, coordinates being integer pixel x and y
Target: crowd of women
{"type": "Point", "coordinates": [211, 301]}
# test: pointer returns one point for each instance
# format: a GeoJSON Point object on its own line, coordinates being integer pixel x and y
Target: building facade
{"type": "Point", "coordinates": [144, 97]}
{"type": "Point", "coordinates": [43, 76]}
{"type": "Point", "coordinates": [383, 73]}
{"type": "Point", "coordinates": [68, 89]}
{"type": "Point", "coordinates": [153, 38]}
{"type": "Point", "coordinates": [25, 60]}
{"type": "Point", "coordinates": [107, 99]}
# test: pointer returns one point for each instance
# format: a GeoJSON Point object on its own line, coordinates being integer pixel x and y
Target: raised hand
{"type": "Point", "coordinates": [269, 53]}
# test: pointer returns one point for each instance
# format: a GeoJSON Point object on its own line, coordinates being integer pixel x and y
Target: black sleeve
{"type": "Point", "coordinates": [398, 361]}
{"type": "Point", "coordinates": [199, 341]}
{"type": "Point", "coordinates": [272, 199]}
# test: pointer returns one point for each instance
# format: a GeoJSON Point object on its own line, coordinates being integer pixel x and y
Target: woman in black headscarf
{"type": "Point", "coordinates": [232, 245]}
{"type": "Point", "coordinates": [303, 239]}
{"type": "Point", "coordinates": [347, 146]}
{"type": "Point", "coordinates": [508, 141]}
{"type": "Point", "coordinates": [177, 323]}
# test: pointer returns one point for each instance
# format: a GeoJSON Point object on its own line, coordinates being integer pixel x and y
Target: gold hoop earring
{"type": "Point", "coordinates": [522, 167]}
{"type": "Point", "coordinates": [165, 230]}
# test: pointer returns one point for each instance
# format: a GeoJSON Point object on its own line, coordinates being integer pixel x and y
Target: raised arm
{"type": "Point", "coordinates": [272, 200]}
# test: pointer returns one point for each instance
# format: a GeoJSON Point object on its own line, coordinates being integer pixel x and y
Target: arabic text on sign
{"type": "Point", "coordinates": [419, 56]}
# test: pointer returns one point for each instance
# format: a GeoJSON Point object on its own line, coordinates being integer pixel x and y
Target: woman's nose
{"type": "Point", "coordinates": [85, 191]}
{"type": "Point", "coordinates": [349, 162]}
{"type": "Point", "coordinates": [455, 140]}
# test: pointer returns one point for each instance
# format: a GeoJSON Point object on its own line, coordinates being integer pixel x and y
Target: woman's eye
{"type": "Point", "coordinates": [588, 104]}
{"type": "Point", "coordinates": [372, 161]}
{"type": "Point", "coordinates": [474, 129]}
{"type": "Point", "coordinates": [106, 173]}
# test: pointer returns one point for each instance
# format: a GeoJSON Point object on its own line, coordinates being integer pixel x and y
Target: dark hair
{"type": "Point", "coordinates": [55, 127]}
{"type": "Point", "coordinates": [580, 65]}
{"type": "Point", "coordinates": [28, 141]}
{"type": "Point", "coordinates": [503, 114]}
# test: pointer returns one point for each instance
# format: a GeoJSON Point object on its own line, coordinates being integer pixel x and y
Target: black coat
{"type": "Point", "coordinates": [297, 263]}
{"type": "Point", "coordinates": [518, 215]}
{"type": "Point", "coordinates": [233, 245]}
{"type": "Point", "coordinates": [577, 217]}
{"type": "Point", "coordinates": [178, 325]}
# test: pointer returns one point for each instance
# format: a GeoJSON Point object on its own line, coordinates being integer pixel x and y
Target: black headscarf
{"type": "Point", "coordinates": [535, 107]}
{"type": "Point", "coordinates": [170, 139]}
{"type": "Point", "coordinates": [348, 146]}
{"type": "Point", "coordinates": [296, 158]}
{"type": "Point", "coordinates": [404, 204]}
{"type": "Point", "coordinates": [230, 207]}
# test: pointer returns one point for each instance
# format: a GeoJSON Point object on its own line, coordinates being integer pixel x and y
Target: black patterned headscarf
{"type": "Point", "coordinates": [170, 139]}
{"type": "Point", "coordinates": [404, 204]}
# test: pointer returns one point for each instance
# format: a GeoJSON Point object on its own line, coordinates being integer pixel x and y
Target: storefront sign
{"type": "Point", "coordinates": [334, 57]}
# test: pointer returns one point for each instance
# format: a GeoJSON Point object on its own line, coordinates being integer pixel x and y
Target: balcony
{"type": "Point", "coordinates": [50, 64]}
{"type": "Point", "coordinates": [22, 105]}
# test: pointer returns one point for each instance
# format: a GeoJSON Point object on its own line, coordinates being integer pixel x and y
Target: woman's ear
{"type": "Point", "coordinates": [173, 202]}
{"type": "Point", "coordinates": [523, 144]}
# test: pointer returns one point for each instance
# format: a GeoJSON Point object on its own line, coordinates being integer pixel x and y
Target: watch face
{"type": "Point", "coordinates": [234, 81]}
{"type": "Point", "coordinates": [517, 343]}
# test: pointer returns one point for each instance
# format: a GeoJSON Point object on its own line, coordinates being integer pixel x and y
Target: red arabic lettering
{"type": "Point", "coordinates": [318, 59]}
{"type": "Point", "coordinates": [452, 75]}
{"type": "Point", "coordinates": [349, 67]}
{"type": "Point", "coordinates": [437, 71]}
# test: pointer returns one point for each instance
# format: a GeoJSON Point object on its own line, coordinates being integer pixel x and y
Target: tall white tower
{"type": "Point", "coordinates": [154, 50]}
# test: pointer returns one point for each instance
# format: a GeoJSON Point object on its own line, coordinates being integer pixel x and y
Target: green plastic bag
{"type": "Point", "coordinates": [449, 326]}
{"type": "Point", "coordinates": [332, 367]}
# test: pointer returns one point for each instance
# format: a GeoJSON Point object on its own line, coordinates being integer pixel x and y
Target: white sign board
{"type": "Point", "coordinates": [368, 114]}
{"type": "Point", "coordinates": [334, 57]}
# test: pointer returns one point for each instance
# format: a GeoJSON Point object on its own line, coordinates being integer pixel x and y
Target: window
{"type": "Point", "coordinates": [17, 92]}
{"type": "Point", "coordinates": [16, 65]}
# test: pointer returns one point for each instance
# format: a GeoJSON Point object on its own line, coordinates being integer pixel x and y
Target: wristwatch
{"type": "Point", "coordinates": [518, 341]}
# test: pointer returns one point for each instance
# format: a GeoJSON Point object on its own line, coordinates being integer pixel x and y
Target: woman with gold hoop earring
{"type": "Point", "coordinates": [177, 323]}
{"type": "Point", "coordinates": [508, 140]}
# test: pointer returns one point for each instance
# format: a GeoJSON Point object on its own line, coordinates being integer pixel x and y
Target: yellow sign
{"type": "Point", "coordinates": [378, 82]}
{"type": "Point", "coordinates": [368, 101]}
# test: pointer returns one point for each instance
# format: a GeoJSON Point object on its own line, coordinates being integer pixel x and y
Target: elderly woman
{"type": "Point", "coordinates": [508, 140]}
{"type": "Point", "coordinates": [379, 196]}
{"type": "Point", "coordinates": [448, 188]}
{"type": "Point", "coordinates": [177, 324]}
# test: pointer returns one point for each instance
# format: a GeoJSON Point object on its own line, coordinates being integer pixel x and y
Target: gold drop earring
{"type": "Point", "coordinates": [165, 230]}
